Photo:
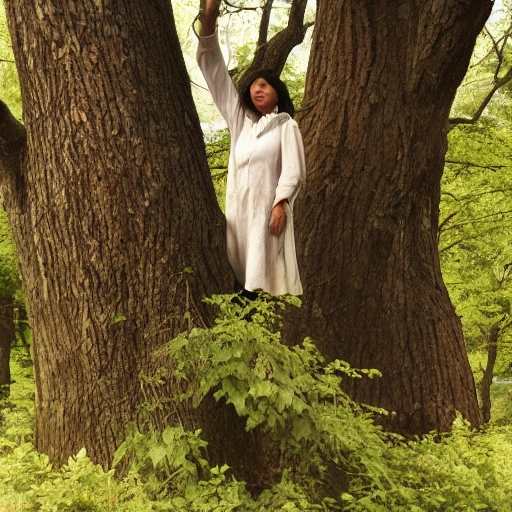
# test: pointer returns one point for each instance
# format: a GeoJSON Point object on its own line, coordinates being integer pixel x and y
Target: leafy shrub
{"type": "Point", "coordinates": [291, 391]}
{"type": "Point", "coordinates": [317, 425]}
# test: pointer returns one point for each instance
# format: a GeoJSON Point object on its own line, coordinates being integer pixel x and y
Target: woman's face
{"type": "Point", "coordinates": [263, 95]}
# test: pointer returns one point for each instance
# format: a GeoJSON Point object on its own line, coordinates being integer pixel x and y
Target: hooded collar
{"type": "Point", "coordinates": [266, 122]}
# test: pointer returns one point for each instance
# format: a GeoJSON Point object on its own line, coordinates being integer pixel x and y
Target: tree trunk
{"type": "Point", "coordinates": [381, 79]}
{"type": "Point", "coordinates": [112, 209]}
{"type": "Point", "coordinates": [7, 334]}
{"type": "Point", "coordinates": [488, 374]}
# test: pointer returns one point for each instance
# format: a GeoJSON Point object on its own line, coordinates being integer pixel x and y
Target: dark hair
{"type": "Point", "coordinates": [284, 102]}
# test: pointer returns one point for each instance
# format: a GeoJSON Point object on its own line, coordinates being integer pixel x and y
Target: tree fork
{"type": "Point", "coordinates": [272, 55]}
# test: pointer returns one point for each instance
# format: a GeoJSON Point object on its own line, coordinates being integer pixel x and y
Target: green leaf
{"type": "Point", "coordinates": [168, 436]}
{"type": "Point", "coordinates": [156, 454]}
{"type": "Point", "coordinates": [301, 428]}
{"type": "Point", "coordinates": [284, 399]}
{"type": "Point", "coordinates": [263, 389]}
{"type": "Point", "coordinates": [120, 453]}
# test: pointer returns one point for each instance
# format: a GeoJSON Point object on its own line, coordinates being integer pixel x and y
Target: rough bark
{"type": "Point", "coordinates": [110, 201]}
{"type": "Point", "coordinates": [381, 80]}
{"type": "Point", "coordinates": [488, 373]}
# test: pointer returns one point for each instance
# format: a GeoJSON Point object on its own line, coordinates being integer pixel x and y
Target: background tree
{"type": "Point", "coordinates": [9, 285]}
{"type": "Point", "coordinates": [9, 275]}
{"type": "Point", "coordinates": [476, 216]}
{"type": "Point", "coordinates": [368, 223]}
{"type": "Point", "coordinates": [112, 209]}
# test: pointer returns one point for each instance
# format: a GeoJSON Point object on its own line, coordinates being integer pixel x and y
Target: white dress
{"type": "Point", "coordinates": [266, 165]}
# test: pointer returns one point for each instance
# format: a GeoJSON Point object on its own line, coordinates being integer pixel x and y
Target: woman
{"type": "Point", "coordinates": [266, 169]}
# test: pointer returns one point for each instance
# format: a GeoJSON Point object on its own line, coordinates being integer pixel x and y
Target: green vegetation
{"type": "Point", "coordinates": [9, 84]}
{"type": "Point", "coordinates": [476, 212]}
{"type": "Point", "coordinates": [9, 274]}
{"type": "Point", "coordinates": [292, 394]}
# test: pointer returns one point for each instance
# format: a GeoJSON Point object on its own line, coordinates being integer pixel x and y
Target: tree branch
{"type": "Point", "coordinates": [498, 82]}
{"type": "Point", "coordinates": [449, 246]}
{"type": "Point", "coordinates": [273, 54]}
{"type": "Point", "coordinates": [505, 79]}
{"type": "Point", "coordinates": [474, 219]}
{"type": "Point", "coordinates": [445, 221]}
{"type": "Point", "coordinates": [264, 23]}
{"type": "Point", "coordinates": [238, 8]}
{"type": "Point", "coordinates": [13, 139]}
{"type": "Point", "coordinates": [465, 165]}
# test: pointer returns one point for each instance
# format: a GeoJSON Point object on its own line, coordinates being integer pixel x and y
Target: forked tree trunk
{"type": "Point", "coordinates": [381, 80]}
{"type": "Point", "coordinates": [111, 204]}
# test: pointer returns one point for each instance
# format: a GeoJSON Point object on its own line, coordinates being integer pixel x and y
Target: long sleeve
{"type": "Point", "coordinates": [223, 91]}
{"type": "Point", "coordinates": [293, 169]}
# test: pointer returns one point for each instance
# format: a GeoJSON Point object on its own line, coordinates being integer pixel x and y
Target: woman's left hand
{"type": "Point", "coordinates": [277, 219]}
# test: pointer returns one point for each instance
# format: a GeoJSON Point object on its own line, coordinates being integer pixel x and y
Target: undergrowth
{"type": "Point", "coordinates": [296, 397]}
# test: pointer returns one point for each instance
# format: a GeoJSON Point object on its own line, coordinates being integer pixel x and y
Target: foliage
{"type": "Point", "coordinates": [9, 274]}
{"type": "Point", "coordinates": [476, 216]}
{"type": "Point", "coordinates": [289, 390]}
{"type": "Point", "coordinates": [501, 403]}
{"type": "Point", "coordinates": [463, 470]}
{"type": "Point", "coordinates": [9, 84]}
{"type": "Point", "coordinates": [297, 397]}
{"type": "Point", "coordinates": [217, 151]}
{"type": "Point", "coordinates": [459, 471]}
{"type": "Point", "coordinates": [17, 411]}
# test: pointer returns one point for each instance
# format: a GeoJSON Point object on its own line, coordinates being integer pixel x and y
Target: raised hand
{"type": "Point", "coordinates": [208, 17]}
{"type": "Point", "coordinates": [212, 7]}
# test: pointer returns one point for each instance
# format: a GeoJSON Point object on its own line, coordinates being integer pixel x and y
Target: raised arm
{"type": "Point", "coordinates": [208, 17]}
{"type": "Point", "coordinates": [212, 65]}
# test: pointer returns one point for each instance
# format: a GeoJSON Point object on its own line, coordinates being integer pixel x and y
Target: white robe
{"type": "Point", "coordinates": [266, 166]}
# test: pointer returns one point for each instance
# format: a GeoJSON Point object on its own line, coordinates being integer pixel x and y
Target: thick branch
{"type": "Point", "coordinates": [13, 140]}
{"type": "Point", "coordinates": [476, 116]}
{"type": "Point", "coordinates": [273, 54]}
{"type": "Point", "coordinates": [498, 82]}
{"type": "Point", "coordinates": [264, 23]}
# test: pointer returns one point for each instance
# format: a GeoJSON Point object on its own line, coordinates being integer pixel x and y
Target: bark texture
{"type": "Point", "coordinates": [381, 80]}
{"type": "Point", "coordinates": [110, 202]}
